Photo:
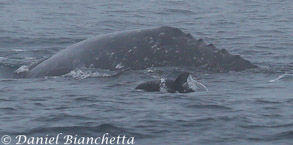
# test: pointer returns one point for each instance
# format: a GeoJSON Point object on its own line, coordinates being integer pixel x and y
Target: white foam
{"type": "Point", "coordinates": [281, 77]}
{"type": "Point", "coordinates": [18, 50]}
{"type": "Point", "coordinates": [83, 74]}
{"type": "Point", "coordinates": [195, 85]}
{"type": "Point", "coordinates": [22, 69]}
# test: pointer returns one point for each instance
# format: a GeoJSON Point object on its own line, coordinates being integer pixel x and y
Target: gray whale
{"type": "Point", "coordinates": [140, 49]}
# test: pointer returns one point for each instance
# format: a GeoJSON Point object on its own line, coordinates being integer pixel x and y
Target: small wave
{"type": "Point", "coordinates": [61, 116]}
{"type": "Point", "coordinates": [37, 41]}
{"type": "Point", "coordinates": [282, 135]}
{"type": "Point", "coordinates": [83, 130]}
{"type": "Point", "coordinates": [210, 107]}
{"type": "Point", "coordinates": [6, 70]}
{"type": "Point", "coordinates": [270, 68]}
{"type": "Point", "coordinates": [252, 52]}
{"type": "Point", "coordinates": [85, 98]}
{"type": "Point", "coordinates": [267, 126]}
{"type": "Point", "coordinates": [8, 109]}
{"type": "Point", "coordinates": [3, 58]}
{"type": "Point", "coordinates": [217, 118]}
{"type": "Point", "coordinates": [282, 77]}
{"type": "Point", "coordinates": [18, 50]}
{"type": "Point", "coordinates": [267, 101]}
{"type": "Point", "coordinates": [180, 11]}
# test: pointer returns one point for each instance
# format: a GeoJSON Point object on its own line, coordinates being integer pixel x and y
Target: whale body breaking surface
{"type": "Point", "coordinates": [140, 49]}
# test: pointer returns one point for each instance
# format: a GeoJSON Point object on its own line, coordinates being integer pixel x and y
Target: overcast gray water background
{"type": "Point", "coordinates": [250, 107]}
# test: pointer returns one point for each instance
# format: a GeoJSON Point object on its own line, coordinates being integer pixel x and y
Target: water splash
{"type": "Point", "coordinates": [163, 86]}
{"type": "Point", "coordinates": [81, 74]}
{"type": "Point", "coordinates": [281, 77]}
{"type": "Point", "coordinates": [195, 85]}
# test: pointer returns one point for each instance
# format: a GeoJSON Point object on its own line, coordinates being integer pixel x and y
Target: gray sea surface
{"type": "Point", "coordinates": [249, 107]}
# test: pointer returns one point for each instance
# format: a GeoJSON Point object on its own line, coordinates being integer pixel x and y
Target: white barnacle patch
{"type": "Point", "coordinates": [146, 59]}
{"type": "Point", "coordinates": [154, 46]}
{"type": "Point", "coordinates": [161, 34]}
{"type": "Point", "coordinates": [151, 40]}
{"type": "Point", "coordinates": [163, 80]}
{"type": "Point", "coordinates": [23, 68]}
{"type": "Point", "coordinates": [150, 70]}
{"type": "Point", "coordinates": [163, 86]}
{"type": "Point", "coordinates": [166, 51]}
{"type": "Point", "coordinates": [119, 66]}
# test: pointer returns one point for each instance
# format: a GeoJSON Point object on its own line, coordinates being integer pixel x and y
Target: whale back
{"type": "Point", "coordinates": [140, 49]}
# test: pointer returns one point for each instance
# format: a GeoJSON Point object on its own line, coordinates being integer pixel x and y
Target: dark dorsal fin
{"type": "Point", "coordinates": [180, 84]}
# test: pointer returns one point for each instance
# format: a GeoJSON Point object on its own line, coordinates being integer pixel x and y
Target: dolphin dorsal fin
{"type": "Point", "coordinates": [180, 83]}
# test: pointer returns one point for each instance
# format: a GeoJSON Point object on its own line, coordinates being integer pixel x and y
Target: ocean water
{"type": "Point", "coordinates": [249, 107]}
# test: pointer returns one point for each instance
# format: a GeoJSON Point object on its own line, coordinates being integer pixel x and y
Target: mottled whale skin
{"type": "Point", "coordinates": [140, 49]}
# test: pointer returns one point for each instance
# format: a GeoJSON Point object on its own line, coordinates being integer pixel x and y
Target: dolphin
{"type": "Point", "coordinates": [180, 84]}
{"type": "Point", "coordinates": [140, 49]}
